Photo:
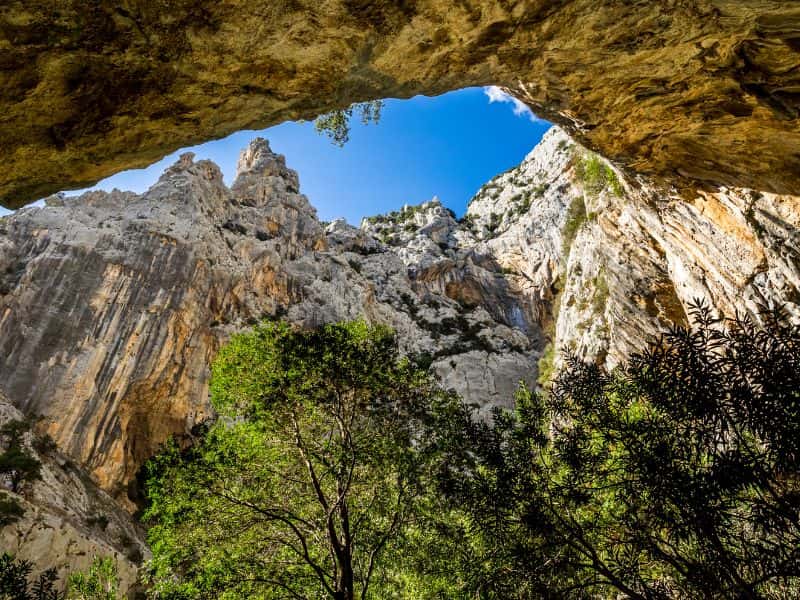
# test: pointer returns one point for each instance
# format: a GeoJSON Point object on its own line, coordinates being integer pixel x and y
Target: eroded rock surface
{"type": "Point", "coordinates": [691, 91]}
{"type": "Point", "coordinates": [114, 304]}
{"type": "Point", "coordinates": [637, 256]}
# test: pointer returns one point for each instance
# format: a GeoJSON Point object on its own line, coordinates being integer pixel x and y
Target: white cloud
{"type": "Point", "coordinates": [495, 94]}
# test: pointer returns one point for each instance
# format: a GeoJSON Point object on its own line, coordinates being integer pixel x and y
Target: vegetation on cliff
{"type": "Point", "coordinates": [596, 174]}
{"type": "Point", "coordinates": [339, 470]}
{"type": "Point", "coordinates": [675, 476]}
{"type": "Point", "coordinates": [18, 467]}
{"type": "Point", "coordinates": [99, 582]}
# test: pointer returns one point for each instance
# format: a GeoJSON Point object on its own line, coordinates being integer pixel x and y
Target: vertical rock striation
{"type": "Point", "coordinates": [114, 304]}
{"type": "Point", "coordinates": [610, 261]}
{"type": "Point", "coordinates": [108, 319]}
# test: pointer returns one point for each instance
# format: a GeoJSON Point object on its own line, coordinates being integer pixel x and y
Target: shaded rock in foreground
{"type": "Point", "coordinates": [67, 520]}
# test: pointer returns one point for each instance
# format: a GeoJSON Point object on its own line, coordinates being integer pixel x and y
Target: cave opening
{"type": "Point", "coordinates": [443, 147]}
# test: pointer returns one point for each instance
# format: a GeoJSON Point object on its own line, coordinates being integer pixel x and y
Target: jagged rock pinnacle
{"type": "Point", "coordinates": [256, 153]}
{"type": "Point", "coordinates": [258, 161]}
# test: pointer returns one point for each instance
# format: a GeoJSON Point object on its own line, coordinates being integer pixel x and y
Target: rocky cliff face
{"type": "Point", "coordinates": [112, 305]}
{"type": "Point", "coordinates": [610, 261]}
{"type": "Point", "coordinates": [89, 89]}
{"type": "Point", "coordinates": [67, 519]}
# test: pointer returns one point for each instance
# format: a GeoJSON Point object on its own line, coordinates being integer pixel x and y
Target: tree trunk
{"type": "Point", "coordinates": [345, 588]}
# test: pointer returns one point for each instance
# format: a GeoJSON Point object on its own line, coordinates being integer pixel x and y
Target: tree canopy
{"type": "Point", "coordinates": [339, 470]}
{"type": "Point", "coordinates": [675, 476]}
{"type": "Point", "coordinates": [310, 477]}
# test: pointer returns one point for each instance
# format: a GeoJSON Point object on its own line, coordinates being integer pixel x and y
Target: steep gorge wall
{"type": "Point", "coordinates": [637, 255]}
{"type": "Point", "coordinates": [112, 305]}
{"type": "Point", "coordinates": [692, 92]}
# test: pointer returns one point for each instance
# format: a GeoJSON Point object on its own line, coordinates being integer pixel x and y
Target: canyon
{"type": "Point", "coordinates": [113, 304]}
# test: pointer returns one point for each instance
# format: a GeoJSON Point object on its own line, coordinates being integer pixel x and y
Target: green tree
{"type": "Point", "coordinates": [99, 582]}
{"type": "Point", "coordinates": [10, 510]}
{"type": "Point", "coordinates": [16, 582]}
{"type": "Point", "coordinates": [310, 479]}
{"type": "Point", "coordinates": [17, 464]}
{"type": "Point", "coordinates": [675, 476]}
{"type": "Point", "coordinates": [336, 124]}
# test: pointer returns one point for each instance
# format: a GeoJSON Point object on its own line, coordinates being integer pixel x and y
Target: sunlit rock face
{"type": "Point", "coordinates": [113, 305]}
{"type": "Point", "coordinates": [641, 256]}
{"type": "Point", "coordinates": [695, 93]}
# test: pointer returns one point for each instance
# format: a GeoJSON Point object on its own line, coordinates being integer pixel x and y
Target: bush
{"type": "Point", "coordinates": [524, 206]}
{"type": "Point", "coordinates": [468, 221]}
{"type": "Point", "coordinates": [10, 510]}
{"type": "Point", "coordinates": [15, 582]}
{"type": "Point", "coordinates": [546, 366]}
{"type": "Point", "coordinates": [601, 293]}
{"type": "Point", "coordinates": [100, 582]}
{"type": "Point", "coordinates": [596, 175]}
{"type": "Point", "coordinates": [354, 264]}
{"type": "Point", "coordinates": [494, 222]}
{"type": "Point", "coordinates": [540, 189]}
{"type": "Point", "coordinates": [44, 444]}
{"type": "Point", "coordinates": [17, 464]}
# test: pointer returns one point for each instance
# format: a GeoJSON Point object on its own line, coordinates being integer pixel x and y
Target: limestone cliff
{"type": "Point", "coordinates": [112, 305]}
{"type": "Point", "coordinates": [704, 92]}
{"type": "Point", "coordinates": [611, 261]}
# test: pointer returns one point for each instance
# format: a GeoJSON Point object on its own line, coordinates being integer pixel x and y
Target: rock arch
{"type": "Point", "coordinates": [694, 92]}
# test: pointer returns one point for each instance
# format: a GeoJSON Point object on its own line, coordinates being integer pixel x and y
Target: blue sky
{"type": "Point", "coordinates": [446, 146]}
